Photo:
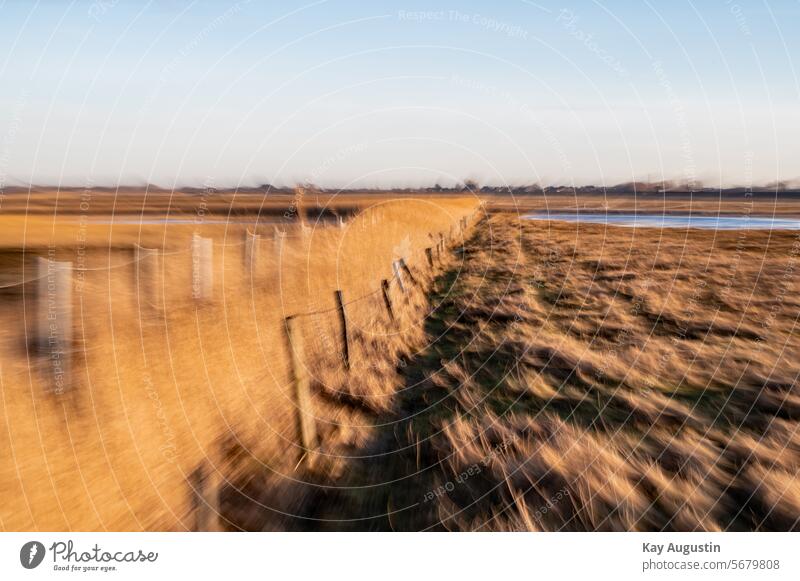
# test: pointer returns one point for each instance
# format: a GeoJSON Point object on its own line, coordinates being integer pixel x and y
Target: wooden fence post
{"type": "Point", "coordinates": [398, 274]}
{"type": "Point", "coordinates": [55, 320]}
{"type": "Point", "coordinates": [148, 277]}
{"type": "Point", "coordinates": [202, 268]}
{"type": "Point", "coordinates": [204, 486]}
{"type": "Point", "coordinates": [405, 268]}
{"type": "Point", "coordinates": [306, 424]}
{"type": "Point", "coordinates": [386, 298]}
{"type": "Point", "coordinates": [252, 244]}
{"type": "Point", "coordinates": [278, 238]}
{"type": "Point", "coordinates": [343, 321]}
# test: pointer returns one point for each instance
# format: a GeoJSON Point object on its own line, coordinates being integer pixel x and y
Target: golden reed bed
{"type": "Point", "coordinates": [167, 394]}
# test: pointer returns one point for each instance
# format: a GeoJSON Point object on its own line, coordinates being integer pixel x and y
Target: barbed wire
{"type": "Point", "coordinates": [23, 282]}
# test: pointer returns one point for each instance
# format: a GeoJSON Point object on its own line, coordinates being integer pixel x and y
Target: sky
{"type": "Point", "coordinates": [342, 93]}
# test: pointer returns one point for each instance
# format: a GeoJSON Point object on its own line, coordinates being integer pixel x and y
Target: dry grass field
{"type": "Point", "coordinates": [170, 393]}
{"type": "Point", "coordinates": [701, 203]}
{"type": "Point", "coordinates": [592, 378]}
{"type": "Point", "coordinates": [539, 376]}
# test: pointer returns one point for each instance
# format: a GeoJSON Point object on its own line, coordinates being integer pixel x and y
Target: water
{"type": "Point", "coordinates": [675, 221]}
{"type": "Point", "coordinates": [158, 220]}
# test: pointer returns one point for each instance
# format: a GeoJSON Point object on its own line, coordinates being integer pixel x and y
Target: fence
{"type": "Point", "coordinates": [333, 327]}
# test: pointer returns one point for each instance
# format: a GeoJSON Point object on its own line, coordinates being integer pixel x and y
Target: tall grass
{"type": "Point", "coordinates": [581, 378]}
{"type": "Point", "coordinates": [615, 379]}
{"type": "Point", "coordinates": [162, 384]}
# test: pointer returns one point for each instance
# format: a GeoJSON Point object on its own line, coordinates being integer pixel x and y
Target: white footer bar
{"type": "Point", "coordinates": [401, 556]}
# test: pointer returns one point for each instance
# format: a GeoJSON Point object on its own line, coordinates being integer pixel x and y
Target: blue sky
{"type": "Point", "coordinates": [345, 93]}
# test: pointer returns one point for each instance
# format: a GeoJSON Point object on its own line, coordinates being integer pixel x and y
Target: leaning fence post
{"type": "Point", "coordinates": [398, 274]}
{"type": "Point", "coordinates": [405, 268]}
{"type": "Point", "coordinates": [343, 321]}
{"type": "Point", "coordinates": [386, 298]}
{"type": "Point", "coordinates": [202, 268]}
{"type": "Point", "coordinates": [55, 319]}
{"type": "Point", "coordinates": [306, 426]}
{"type": "Point", "coordinates": [429, 256]}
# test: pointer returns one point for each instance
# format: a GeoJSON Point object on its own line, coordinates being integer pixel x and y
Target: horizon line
{"type": "Point", "coordinates": [665, 186]}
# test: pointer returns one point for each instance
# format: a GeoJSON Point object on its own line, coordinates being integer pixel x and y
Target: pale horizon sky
{"type": "Point", "coordinates": [398, 94]}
